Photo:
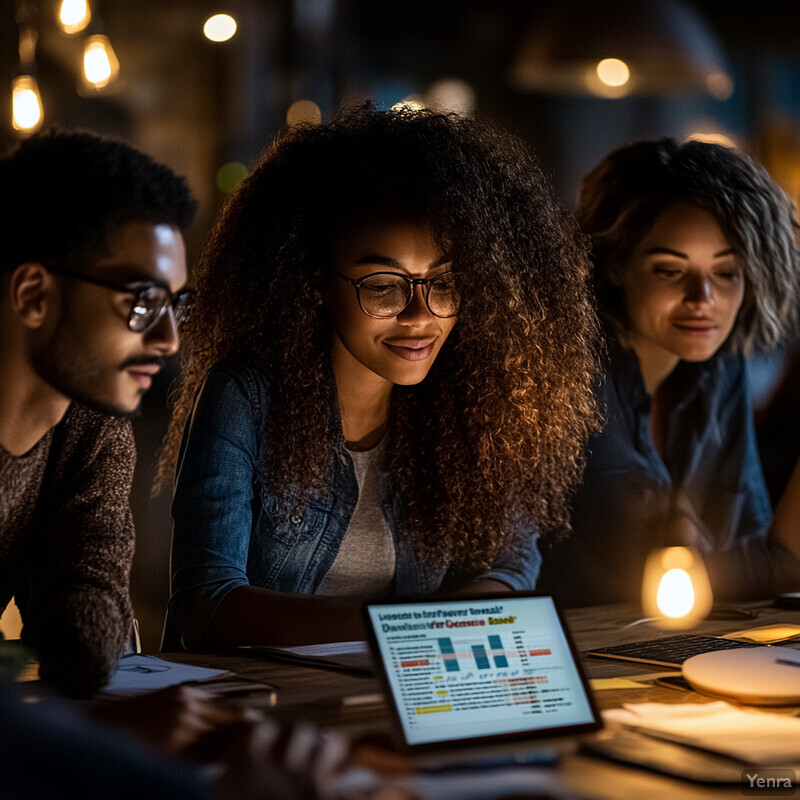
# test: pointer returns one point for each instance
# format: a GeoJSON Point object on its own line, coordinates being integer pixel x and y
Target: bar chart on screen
{"type": "Point", "coordinates": [511, 670]}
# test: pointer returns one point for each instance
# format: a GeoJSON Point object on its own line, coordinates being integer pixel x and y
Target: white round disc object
{"type": "Point", "coordinates": [761, 676]}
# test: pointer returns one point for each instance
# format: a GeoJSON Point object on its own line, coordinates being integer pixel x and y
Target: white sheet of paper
{"type": "Point", "coordinates": [750, 735]}
{"type": "Point", "coordinates": [137, 674]}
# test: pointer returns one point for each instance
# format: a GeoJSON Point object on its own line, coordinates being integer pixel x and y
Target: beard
{"type": "Point", "coordinates": [76, 370]}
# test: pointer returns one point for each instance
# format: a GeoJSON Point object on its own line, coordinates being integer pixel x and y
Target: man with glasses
{"type": "Point", "coordinates": [93, 290]}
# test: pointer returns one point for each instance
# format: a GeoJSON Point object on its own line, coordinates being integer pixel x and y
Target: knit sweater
{"type": "Point", "coordinates": [66, 546]}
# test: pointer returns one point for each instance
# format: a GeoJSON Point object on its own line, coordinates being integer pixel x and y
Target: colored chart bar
{"type": "Point", "coordinates": [449, 655]}
{"type": "Point", "coordinates": [481, 659]}
{"type": "Point", "coordinates": [500, 660]}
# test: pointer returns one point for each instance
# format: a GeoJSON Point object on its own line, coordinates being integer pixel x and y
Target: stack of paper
{"type": "Point", "coordinates": [751, 736]}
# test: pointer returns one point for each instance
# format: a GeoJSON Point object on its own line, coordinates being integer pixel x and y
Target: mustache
{"type": "Point", "coordinates": [137, 361]}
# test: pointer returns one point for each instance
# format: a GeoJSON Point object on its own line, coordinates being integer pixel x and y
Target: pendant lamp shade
{"type": "Point", "coordinates": [617, 47]}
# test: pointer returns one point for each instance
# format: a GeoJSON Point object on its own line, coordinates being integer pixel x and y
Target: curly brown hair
{"type": "Point", "coordinates": [622, 197]}
{"type": "Point", "coordinates": [495, 436]}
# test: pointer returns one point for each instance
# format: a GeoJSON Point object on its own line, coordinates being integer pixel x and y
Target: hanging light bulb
{"type": "Point", "coordinates": [676, 591]}
{"type": "Point", "coordinates": [27, 113]}
{"type": "Point", "coordinates": [219, 28]}
{"type": "Point", "coordinates": [74, 16]}
{"type": "Point", "coordinates": [100, 64]}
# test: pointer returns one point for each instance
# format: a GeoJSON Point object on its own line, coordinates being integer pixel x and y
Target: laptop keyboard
{"type": "Point", "coordinates": [670, 650]}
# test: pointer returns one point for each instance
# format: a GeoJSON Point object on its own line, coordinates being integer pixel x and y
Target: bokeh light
{"type": "Point", "coordinates": [74, 16]}
{"type": "Point", "coordinates": [613, 72]}
{"type": "Point", "coordinates": [303, 111]}
{"type": "Point", "coordinates": [220, 28]}
{"type": "Point", "coordinates": [451, 95]}
{"type": "Point", "coordinates": [719, 85]}
{"type": "Point", "coordinates": [26, 104]}
{"type": "Point", "coordinates": [230, 176]}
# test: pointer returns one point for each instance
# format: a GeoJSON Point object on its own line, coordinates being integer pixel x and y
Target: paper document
{"type": "Point", "coordinates": [749, 735]}
{"type": "Point", "coordinates": [137, 674]}
{"type": "Point", "coordinates": [340, 655]}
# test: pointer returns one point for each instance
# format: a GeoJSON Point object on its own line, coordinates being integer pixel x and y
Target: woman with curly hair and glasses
{"type": "Point", "coordinates": [696, 267]}
{"type": "Point", "coordinates": [387, 381]}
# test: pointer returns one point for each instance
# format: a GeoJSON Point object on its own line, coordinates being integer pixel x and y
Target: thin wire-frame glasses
{"type": "Point", "coordinates": [150, 300]}
{"type": "Point", "coordinates": [382, 295]}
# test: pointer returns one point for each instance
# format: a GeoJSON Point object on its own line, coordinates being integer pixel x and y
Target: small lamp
{"type": "Point", "coordinates": [676, 591]}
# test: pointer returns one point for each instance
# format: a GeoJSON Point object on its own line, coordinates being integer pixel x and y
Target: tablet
{"type": "Point", "coordinates": [478, 670]}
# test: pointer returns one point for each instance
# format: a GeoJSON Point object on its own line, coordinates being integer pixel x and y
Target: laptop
{"type": "Point", "coordinates": [498, 672]}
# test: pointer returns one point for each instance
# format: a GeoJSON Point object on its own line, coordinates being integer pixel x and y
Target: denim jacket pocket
{"type": "Point", "coordinates": [282, 545]}
{"type": "Point", "coordinates": [276, 524]}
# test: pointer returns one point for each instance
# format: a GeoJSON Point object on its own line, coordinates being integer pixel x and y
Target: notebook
{"type": "Point", "coordinates": [480, 670]}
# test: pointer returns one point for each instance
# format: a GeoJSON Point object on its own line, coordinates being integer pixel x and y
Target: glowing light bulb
{"type": "Point", "coordinates": [676, 592]}
{"type": "Point", "coordinates": [613, 72]}
{"type": "Point", "coordinates": [27, 113]}
{"type": "Point", "coordinates": [74, 15]}
{"type": "Point", "coordinates": [220, 28]}
{"type": "Point", "coordinates": [100, 65]}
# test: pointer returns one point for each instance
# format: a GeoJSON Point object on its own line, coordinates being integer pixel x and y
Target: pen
{"type": "Point", "coordinates": [362, 699]}
{"type": "Point", "coordinates": [787, 662]}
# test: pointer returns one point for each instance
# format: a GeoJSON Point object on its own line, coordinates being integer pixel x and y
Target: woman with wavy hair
{"type": "Point", "coordinates": [387, 380]}
{"type": "Point", "coordinates": [696, 266]}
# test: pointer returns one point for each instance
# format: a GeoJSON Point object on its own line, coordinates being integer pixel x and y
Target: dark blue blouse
{"type": "Point", "coordinates": [631, 496]}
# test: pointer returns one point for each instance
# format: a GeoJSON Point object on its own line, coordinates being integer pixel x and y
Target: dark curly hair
{"type": "Point", "coordinates": [64, 193]}
{"type": "Point", "coordinates": [496, 433]}
{"type": "Point", "coordinates": [622, 197]}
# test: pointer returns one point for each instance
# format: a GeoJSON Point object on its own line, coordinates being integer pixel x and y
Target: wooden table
{"type": "Point", "coordinates": [316, 695]}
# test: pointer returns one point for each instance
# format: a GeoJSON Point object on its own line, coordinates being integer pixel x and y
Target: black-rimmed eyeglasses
{"type": "Point", "coordinates": [383, 295]}
{"type": "Point", "coordinates": [150, 300]}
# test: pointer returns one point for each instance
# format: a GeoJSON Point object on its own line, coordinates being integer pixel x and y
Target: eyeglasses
{"type": "Point", "coordinates": [150, 300]}
{"type": "Point", "coordinates": [383, 295]}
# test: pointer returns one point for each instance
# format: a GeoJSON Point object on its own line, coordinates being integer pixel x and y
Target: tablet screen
{"type": "Point", "coordinates": [467, 669]}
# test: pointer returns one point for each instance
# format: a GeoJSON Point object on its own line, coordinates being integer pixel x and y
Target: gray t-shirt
{"type": "Point", "coordinates": [366, 558]}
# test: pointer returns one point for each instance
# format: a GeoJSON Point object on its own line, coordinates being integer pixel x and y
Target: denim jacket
{"type": "Point", "coordinates": [227, 533]}
{"type": "Point", "coordinates": [630, 492]}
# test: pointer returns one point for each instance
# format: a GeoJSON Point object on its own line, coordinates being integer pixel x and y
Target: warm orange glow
{"type": "Point", "coordinates": [409, 104]}
{"type": "Point", "coordinates": [27, 113]}
{"type": "Point", "coordinates": [613, 72]}
{"type": "Point", "coordinates": [74, 16]}
{"type": "Point", "coordinates": [100, 65]}
{"type": "Point", "coordinates": [675, 589]}
{"type": "Point", "coordinates": [712, 138]}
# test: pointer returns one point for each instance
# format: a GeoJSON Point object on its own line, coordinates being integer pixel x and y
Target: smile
{"type": "Point", "coordinates": [143, 375]}
{"type": "Point", "coordinates": [698, 328]}
{"type": "Point", "coordinates": [412, 349]}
